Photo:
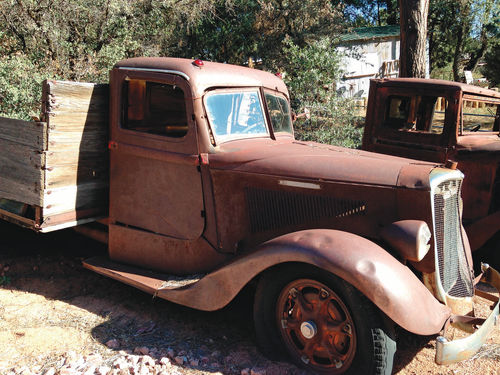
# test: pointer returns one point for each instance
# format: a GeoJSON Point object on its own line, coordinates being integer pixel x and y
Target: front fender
{"type": "Point", "coordinates": [390, 285]}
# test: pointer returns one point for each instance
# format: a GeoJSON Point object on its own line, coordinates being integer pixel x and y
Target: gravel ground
{"type": "Point", "coordinates": [58, 318]}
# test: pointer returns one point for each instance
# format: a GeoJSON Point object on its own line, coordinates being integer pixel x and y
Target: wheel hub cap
{"type": "Point", "coordinates": [308, 329]}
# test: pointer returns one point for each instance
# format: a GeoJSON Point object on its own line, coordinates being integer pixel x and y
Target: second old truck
{"type": "Point", "coordinates": [209, 191]}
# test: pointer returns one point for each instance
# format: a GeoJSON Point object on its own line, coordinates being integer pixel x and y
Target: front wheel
{"type": "Point", "coordinates": [321, 322]}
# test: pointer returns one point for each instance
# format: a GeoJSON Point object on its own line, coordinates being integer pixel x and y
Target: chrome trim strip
{"type": "Point", "coordinates": [304, 185]}
{"type": "Point", "coordinates": [183, 75]}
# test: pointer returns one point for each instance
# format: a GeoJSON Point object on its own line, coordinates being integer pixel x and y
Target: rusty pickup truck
{"type": "Point", "coordinates": [203, 189]}
{"type": "Point", "coordinates": [445, 122]}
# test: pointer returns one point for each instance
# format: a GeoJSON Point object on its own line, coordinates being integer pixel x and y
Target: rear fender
{"type": "Point", "coordinates": [390, 285]}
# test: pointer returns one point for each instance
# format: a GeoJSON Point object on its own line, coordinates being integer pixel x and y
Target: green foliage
{"type": "Point", "coordinates": [491, 70]}
{"type": "Point", "coordinates": [20, 87]}
{"type": "Point", "coordinates": [310, 74]}
{"type": "Point", "coordinates": [83, 39]}
{"type": "Point", "coordinates": [461, 32]}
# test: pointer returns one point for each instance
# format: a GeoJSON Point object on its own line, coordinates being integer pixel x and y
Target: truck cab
{"type": "Point", "coordinates": [209, 192]}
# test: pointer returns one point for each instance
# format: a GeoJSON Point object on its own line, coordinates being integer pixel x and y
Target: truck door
{"type": "Point", "coordinates": [155, 185]}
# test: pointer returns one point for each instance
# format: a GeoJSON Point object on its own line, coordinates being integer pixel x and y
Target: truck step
{"type": "Point", "coordinates": [145, 280]}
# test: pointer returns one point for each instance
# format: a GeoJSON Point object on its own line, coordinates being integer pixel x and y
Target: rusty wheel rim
{"type": "Point", "coordinates": [316, 326]}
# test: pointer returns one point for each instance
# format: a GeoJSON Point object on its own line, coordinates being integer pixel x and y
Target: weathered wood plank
{"type": "Point", "coordinates": [70, 198]}
{"type": "Point", "coordinates": [20, 192]}
{"type": "Point", "coordinates": [16, 219]}
{"type": "Point", "coordinates": [65, 96]}
{"type": "Point", "coordinates": [16, 153]}
{"type": "Point", "coordinates": [70, 174]}
{"type": "Point", "coordinates": [21, 172]}
{"type": "Point", "coordinates": [74, 156]}
{"type": "Point", "coordinates": [83, 122]}
{"type": "Point", "coordinates": [28, 133]}
{"type": "Point", "coordinates": [95, 144]}
{"type": "Point", "coordinates": [98, 137]}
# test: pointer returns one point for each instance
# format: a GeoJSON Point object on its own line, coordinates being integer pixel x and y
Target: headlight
{"type": "Point", "coordinates": [410, 238]}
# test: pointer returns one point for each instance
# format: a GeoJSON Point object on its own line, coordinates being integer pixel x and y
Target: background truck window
{"type": "Point", "coordinates": [480, 116]}
{"type": "Point", "coordinates": [155, 108]}
{"type": "Point", "coordinates": [416, 113]}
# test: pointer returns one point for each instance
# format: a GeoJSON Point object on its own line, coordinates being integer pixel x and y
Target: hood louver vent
{"type": "Point", "coordinates": [271, 210]}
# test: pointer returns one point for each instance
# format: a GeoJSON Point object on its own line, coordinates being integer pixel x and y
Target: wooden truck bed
{"type": "Point", "coordinates": [54, 172]}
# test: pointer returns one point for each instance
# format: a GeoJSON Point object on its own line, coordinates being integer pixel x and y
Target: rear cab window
{"type": "Point", "coordinates": [415, 113]}
{"type": "Point", "coordinates": [154, 108]}
{"type": "Point", "coordinates": [408, 117]}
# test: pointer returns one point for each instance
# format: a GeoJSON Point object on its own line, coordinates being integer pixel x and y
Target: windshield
{"type": "Point", "coordinates": [279, 112]}
{"type": "Point", "coordinates": [236, 114]}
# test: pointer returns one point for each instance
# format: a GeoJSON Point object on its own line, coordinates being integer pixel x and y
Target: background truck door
{"type": "Point", "coordinates": [155, 184]}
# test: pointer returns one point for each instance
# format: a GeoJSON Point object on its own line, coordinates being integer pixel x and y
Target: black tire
{"type": "Point", "coordinates": [366, 348]}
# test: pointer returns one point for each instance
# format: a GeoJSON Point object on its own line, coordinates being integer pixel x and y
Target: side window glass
{"type": "Point", "coordinates": [416, 113]}
{"type": "Point", "coordinates": [154, 108]}
{"type": "Point", "coordinates": [279, 112]}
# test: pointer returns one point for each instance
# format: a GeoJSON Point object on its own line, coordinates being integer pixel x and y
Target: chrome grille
{"type": "Point", "coordinates": [454, 272]}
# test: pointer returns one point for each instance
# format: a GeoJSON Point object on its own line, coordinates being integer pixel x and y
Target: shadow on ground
{"type": "Point", "coordinates": [49, 265]}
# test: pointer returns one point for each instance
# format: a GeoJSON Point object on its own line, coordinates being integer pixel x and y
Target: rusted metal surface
{"type": "Point", "coordinates": [448, 352]}
{"type": "Point", "coordinates": [161, 253]}
{"type": "Point", "coordinates": [476, 154]}
{"type": "Point", "coordinates": [482, 230]}
{"type": "Point", "coordinates": [386, 282]}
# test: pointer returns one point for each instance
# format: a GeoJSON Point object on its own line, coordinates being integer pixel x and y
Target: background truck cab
{"type": "Point", "coordinates": [209, 192]}
{"type": "Point", "coordinates": [445, 122]}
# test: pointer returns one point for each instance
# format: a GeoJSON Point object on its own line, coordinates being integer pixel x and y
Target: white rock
{"type": "Point", "coordinates": [165, 361]}
{"type": "Point", "coordinates": [50, 371]}
{"type": "Point", "coordinates": [120, 364]}
{"type": "Point", "coordinates": [147, 360]}
{"type": "Point", "coordinates": [245, 371]}
{"type": "Point", "coordinates": [103, 370]}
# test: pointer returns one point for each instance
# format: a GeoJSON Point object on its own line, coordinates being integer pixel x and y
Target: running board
{"type": "Point", "coordinates": [147, 281]}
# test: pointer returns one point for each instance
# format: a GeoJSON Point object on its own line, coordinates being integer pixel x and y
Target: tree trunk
{"type": "Point", "coordinates": [464, 22]}
{"type": "Point", "coordinates": [413, 23]}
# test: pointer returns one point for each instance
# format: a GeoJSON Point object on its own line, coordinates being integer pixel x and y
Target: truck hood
{"type": "Point", "coordinates": [319, 162]}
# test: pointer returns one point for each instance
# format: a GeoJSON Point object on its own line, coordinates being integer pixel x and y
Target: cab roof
{"type": "Point", "coordinates": [437, 83]}
{"type": "Point", "coordinates": [209, 75]}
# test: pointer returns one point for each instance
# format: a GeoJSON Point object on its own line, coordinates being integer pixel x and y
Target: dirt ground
{"type": "Point", "coordinates": [51, 309]}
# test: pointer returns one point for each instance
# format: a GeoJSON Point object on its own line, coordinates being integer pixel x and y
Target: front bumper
{"type": "Point", "coordinates": [448, 352]}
